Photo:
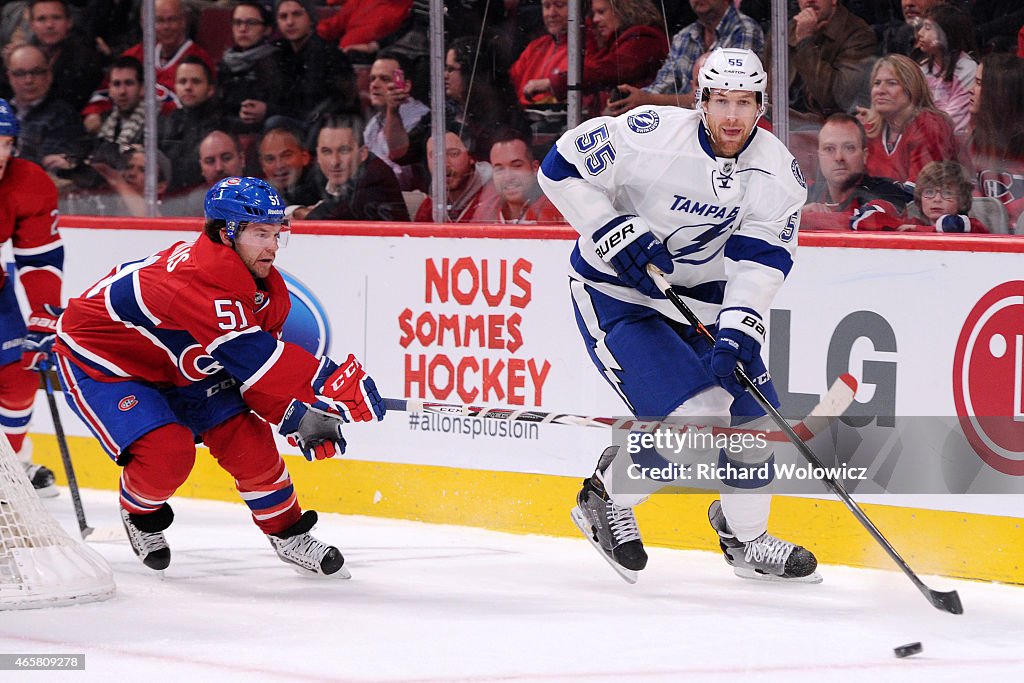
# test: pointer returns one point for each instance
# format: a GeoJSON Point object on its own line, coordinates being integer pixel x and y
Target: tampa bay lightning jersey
{"type": "Point", "coordinates": [730, 224]}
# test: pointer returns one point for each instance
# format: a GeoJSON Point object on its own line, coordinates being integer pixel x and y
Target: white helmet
{"type": "Point", "coordinates": [732, 68]}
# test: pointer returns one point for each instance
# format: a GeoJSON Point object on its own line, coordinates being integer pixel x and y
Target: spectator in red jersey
{"type": "Point", "coordinates": [624, 44]}
{"type": "Point", "coordinates": [946, 39]}
{"type": "Point", "coordinates": [942, 197]}
{"type": "Point", "coordinates": [844, 186]}
{"type": "Point", "coordinates": [544, 58]}
{"type": "Point", "coordinates": [172, 42]}
{"type": "Point", "coordinates": [906, 130]}
{"type": "Point", "coordinates": [518, 197]}
{"type": "Point", "coordinates": [360, 25]}
{"type": "Point", "coordinates": [997, 141]}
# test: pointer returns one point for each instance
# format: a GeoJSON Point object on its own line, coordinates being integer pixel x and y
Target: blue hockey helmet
{"type": "Point", "coordinates": [239, 201]}
{"type": "Point", "coordinates": [8, 121]}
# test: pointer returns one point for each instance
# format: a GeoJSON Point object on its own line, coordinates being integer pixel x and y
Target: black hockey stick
{"type": "Point", "coordinates": [950, 601]}
{"type": "Point", "coordinates": [65, 455]}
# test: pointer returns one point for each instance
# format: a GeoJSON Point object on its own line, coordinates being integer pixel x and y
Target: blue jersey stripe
{"type": "Point", "coordinates": [556, 167]}
{"type": "Point", "coordinates": [741, 248]}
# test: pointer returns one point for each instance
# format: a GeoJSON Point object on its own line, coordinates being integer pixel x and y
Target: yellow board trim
{"type": "Point", "coordinates": [956, 544]}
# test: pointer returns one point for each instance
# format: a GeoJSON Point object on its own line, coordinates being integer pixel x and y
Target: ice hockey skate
{"type": "Point", "coordinates": [766, 558]}
{"type": "Point", "coordinates": [308, 556]}
{"type": "Point", "coordinates": [42, 480]}
{"type": "Point", "coordinates": [610, 528]}
{"type": "Point", "coordinates": [146, 534]}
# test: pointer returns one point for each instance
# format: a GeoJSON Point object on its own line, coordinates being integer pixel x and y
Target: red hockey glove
{"type": "Point", "coordinates": [349, 389]}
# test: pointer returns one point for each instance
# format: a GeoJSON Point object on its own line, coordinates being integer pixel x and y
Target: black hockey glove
{"type": "Point", "coordinates": [314, 429]}
{"type": "Point", "coordinates": [626, 243]}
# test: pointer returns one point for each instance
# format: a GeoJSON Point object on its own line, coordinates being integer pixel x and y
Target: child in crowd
{"type": "Point", "coordinates": [942, 196]}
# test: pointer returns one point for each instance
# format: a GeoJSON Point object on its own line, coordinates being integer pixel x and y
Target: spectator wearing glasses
{"type": "Point", "coordinates": [942, 197]}
{"type": "Point", "coordinates": [248, 75]}
{"type": "Point", "coordinates": [51, 130]}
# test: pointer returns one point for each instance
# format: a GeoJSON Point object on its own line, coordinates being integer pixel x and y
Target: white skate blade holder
{"type": "Point", "coordinates": [744, 573]}
{"type": "Point", "coordinates": [578, 518]}
{"type": "Point", "coordinates": [340, 575]}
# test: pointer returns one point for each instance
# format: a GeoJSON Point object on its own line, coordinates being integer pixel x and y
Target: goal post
{"type": "Point", "coordinates": [40, 564]}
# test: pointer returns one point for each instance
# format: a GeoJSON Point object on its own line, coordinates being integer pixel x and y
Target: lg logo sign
{"type": "Point", "coordinates": [988, 378]}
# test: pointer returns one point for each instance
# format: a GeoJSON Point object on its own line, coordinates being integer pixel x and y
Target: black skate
{"type": "Point", "coordinates": [766, 558]}
{"type": "Point", "coordinates": [309, 556]}
{"type": "Point", "coordinates": [609, 527]}
{"type": "Point", "coordinates": [42, 480]}
{"type": "Point", "coordinates": [146, 534]}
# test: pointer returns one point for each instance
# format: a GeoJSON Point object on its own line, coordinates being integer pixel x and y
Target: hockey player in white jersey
{"type": "Point", "coordinates": [714, 203]}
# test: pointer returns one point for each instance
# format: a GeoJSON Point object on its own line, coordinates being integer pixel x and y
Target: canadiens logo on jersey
{"type": "Point", "coordinates": [196, 365]}
{"type": "Point", "coordinates": [127, 403]}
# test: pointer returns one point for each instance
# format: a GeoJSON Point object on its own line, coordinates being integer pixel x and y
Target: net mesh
{"type": "Point", "coordinates": [40, 564]}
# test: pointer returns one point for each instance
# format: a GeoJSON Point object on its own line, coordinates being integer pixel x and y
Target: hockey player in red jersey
{"type": "Point", "coordinates": [28, 217]}
{"type": "Point", "coordinates": [184, 346]}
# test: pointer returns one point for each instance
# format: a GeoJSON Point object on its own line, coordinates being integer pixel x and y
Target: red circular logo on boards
{"type": "Point", "coordinates": [988, 378]}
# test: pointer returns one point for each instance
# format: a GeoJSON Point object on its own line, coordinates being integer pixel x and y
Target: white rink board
{"type": "Point", "coordinates": [919, 298]}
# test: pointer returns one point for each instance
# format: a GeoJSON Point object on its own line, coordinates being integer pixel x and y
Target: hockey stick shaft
{"type": "Point", "coordinates": [65, 455]}
{"type": "Point", "coordinates": [834, 403]}
{"type": "Point", "coordinates": [950, 601]}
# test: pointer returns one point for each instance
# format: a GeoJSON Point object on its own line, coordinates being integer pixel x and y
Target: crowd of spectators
{"type": "Point", "coordinates": [328, 100]}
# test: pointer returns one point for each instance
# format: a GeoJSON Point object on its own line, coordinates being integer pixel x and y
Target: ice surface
{"type": "Point", "coordinates": [444, 603]}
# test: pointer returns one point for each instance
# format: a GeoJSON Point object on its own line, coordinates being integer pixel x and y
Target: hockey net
{"type": "Point", "coordinates": [40, 564]}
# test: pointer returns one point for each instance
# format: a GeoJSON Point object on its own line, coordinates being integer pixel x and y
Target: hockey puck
{"type": "Point", "coordinates": [907, 650]}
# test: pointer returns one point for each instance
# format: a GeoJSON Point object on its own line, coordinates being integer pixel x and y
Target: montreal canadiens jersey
{"type": "Point", "coordinates": [183, 315]}
{"type": "Point", "coordinates": [730, 224]}
{"type": "Point", "coordinates": [28, 217]}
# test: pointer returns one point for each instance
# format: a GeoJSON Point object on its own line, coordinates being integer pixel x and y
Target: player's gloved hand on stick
{"type": "Point", "coordinates": [626, 243]}
{"type": "Point", "coordinates": [740, 335]}
{"type": "Point", "coordinates": [348, 388]}
{"type": "Point", "coordinates": [315, 430]}
{"type": "Point", "coordinates": [42, 332]}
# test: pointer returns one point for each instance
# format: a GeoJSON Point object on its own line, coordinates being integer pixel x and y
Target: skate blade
{"type": "Point", "coordinates": [48, 491]}
{"type": "Point", "coordinates": [745, 573]}
{"type": "Point", "coordinates": [580, 520]}
{"type": "Point", "coordinates": [340, 575]}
